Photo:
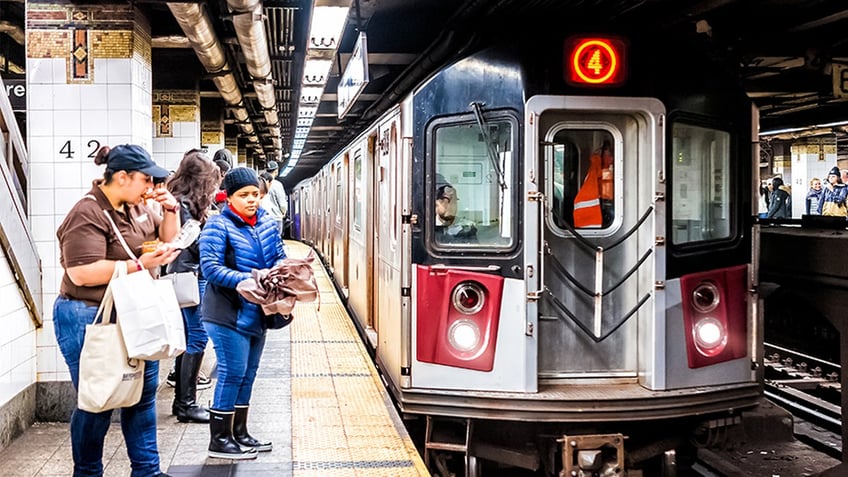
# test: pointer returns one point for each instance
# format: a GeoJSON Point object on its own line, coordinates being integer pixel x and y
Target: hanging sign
{"type": "Point", "coordinates": [355, 76]}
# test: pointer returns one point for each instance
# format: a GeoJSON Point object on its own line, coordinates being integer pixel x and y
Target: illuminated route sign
{"type": "Point", "coordinates": [594, 61]}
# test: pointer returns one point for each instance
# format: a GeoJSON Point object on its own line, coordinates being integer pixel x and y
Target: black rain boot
{"type": "Point", "coordinates": [240, 432]}
{"type": "Point", "coordinates": [175, 407]}
{"type": "Point", "coordinates": [185, 394]}
{"type": "Point", "coordinates": [221, 442]}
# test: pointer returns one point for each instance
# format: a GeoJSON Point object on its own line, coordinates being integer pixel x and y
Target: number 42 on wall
{"type": "Point", "coordinates": [68, 151]}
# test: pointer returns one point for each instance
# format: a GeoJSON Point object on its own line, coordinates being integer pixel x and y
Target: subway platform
{"type": "Point", "coordinates": [317, 396]}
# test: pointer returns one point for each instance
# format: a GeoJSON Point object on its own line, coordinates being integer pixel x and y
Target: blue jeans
{"type": "Point", "coordinates": [238, 359]}
{"type": "Point", "coordinates": [196, 337]}
{"type": "Point", "coordinates": [88, 430]}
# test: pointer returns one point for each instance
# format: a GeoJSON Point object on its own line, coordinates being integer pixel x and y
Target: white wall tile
{"type": "Point", "coordinates": [46, 250]}
{"type": "Point", "coordinates": [67, 97]}
{"type": "Point", "coordinates": [66, 123]}
{"type": "Point", "coordinates": [46, 335]}
{"type": "Point", "coordinates": [40, 97]}
{"type": "Point", "coordinates": [40, 175]}
{"type": "Point", "coordinates": [119, 97]}
{"type": "Point", "coordinates": [42, 204]}
{"type": "Point", "coordinates": [40, 123]}
{"type": "Point", "coordinates": [118, 71]}
{"type": "Point", "coordinates": [66, 198]}
{"type": "Point", "coordinates": [60, 71]}
{"type": "Point", "coordinates": [39, 70]}
{"type": "Point", "coordinates": [42, 226]}
{"type": "Point", "coordinates": [94, 97]}
{"type": "Point", "coordinates": [120, 122]}
{"type": "Point", "coordinates": [67, 174]}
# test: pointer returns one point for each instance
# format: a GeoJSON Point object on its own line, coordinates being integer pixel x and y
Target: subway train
{"type": "Point", "coordinates": [547, 245]}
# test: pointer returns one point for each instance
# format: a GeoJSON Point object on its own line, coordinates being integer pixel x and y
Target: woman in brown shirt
{"type": "Point", "coordinates": [90, 250]}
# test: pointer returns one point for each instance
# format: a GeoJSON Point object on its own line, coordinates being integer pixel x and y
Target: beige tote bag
{"type": "Point", "coordinates": [108, 378]}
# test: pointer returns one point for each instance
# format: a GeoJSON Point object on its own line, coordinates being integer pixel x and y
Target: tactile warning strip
{"type": "Point", "coordinates": [343, 423]}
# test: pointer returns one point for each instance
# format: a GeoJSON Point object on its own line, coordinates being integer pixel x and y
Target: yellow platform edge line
{"type": "Point", "coordinates": [297, 249]}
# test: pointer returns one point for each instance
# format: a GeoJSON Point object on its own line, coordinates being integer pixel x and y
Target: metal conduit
{"type": "Point", "coordinates": [198, 29]}
{"type": "Point", "coordinates": [250, 30]}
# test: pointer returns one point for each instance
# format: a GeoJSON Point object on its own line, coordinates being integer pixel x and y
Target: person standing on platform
{"type": "Point", "coordinates": [835, 193]}
{"type": "Point", "coordinates": [242, 238]}
{"type": "Point", "coordinates": [780, 202]}
{"type": "Point", "coordinates": [814, 196]}
{"type": "Point", "coordinates": [277, 197]}
{"type": "Point", "coordinates": [194, 185]}
{"type": "Point", "coordinates": [89, 254]}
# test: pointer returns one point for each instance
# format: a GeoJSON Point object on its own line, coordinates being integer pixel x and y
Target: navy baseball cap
{"type": "Point", "coordinates": [131, 158]}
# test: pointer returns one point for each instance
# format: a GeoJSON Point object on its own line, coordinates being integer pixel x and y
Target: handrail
{"type": "Point", "coordinates": [15, 234]}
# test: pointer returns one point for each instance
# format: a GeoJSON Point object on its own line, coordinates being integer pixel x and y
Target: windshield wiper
{"type": "Point", "coordinates": [477, 107]}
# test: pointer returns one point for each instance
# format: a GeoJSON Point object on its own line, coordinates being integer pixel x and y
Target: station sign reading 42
{"type": "Point", "coordinates": [92, 146]}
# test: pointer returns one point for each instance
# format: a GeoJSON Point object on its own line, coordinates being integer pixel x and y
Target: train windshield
{"type": "Point", "coordinates": [700, 163]}
{"type": "Point", "coordinates": [474, 181]}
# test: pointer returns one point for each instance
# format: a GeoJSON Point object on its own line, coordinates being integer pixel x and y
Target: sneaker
{"type": "Point", "coordinates": [171, 380]}
{"type": "Point", "coordinates": [203, 381]}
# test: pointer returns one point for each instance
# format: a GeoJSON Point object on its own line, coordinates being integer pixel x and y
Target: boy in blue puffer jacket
{"type": "Point", "coordinates": [242, 238]}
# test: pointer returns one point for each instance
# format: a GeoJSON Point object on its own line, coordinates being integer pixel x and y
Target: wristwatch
{"type": "Point", "coordinates": [174, 210]}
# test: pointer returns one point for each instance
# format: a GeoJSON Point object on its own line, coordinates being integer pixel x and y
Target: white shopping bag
{"type": "Point", "coordinates": [151, 321]}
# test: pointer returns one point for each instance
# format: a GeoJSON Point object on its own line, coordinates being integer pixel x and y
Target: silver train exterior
{"type": "Point", "coordinates": [592, 304]}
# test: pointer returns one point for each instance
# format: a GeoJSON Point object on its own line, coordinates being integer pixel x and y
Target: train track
{"type": "Point", "coordinates": [809, 388]}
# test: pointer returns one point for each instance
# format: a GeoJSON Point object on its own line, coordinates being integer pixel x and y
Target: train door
{"type": "Point", "coordinates": [387, 273]}
{"type": "Point", "coordinates": [338, 219]}
{"type": "Point", "coordinates": [361, 235]}
{"type": "Point", "coordinates": [598, 160]}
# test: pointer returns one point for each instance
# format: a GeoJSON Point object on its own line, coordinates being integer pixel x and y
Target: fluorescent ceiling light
{"type": "Point", "coordinates": [315, 71]}
{"type": "Point", "coordinates": [311, 94]}
{"type": "Point", "coordinates": [307, 111]}
{"type": "Point", "coordinates": [326, 27]}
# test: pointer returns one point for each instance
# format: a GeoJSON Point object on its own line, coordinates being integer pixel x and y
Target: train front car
{"type": "Point", "coordinates": [581, 255]}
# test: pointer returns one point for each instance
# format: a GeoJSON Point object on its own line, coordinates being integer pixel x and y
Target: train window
{"type": "Point", "coordinates": [582, 178]}
{"type": "Point", "coordinates": [474, 183]}
{"type": "Point", "coordinates": [700, 196]}
{"type": "Point", "coordinates": [357, 191]}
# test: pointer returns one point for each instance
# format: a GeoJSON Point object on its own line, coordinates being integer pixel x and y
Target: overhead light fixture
{"type": "Point", "coordinates": [326, 27]}
{"type": "Point", "coordinates": [316, 71]}
{"type": "Point", "coordinates": [311, 94]}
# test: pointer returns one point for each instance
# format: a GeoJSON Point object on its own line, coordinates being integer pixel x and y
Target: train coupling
{"type": "Point", "coordinates": [592, 455]}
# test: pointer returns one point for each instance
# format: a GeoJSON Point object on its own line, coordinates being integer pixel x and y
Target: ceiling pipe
{"type": "Point", "coordinates": [250, 30]}
{"type": "Point", "coordinates": [197, 26]}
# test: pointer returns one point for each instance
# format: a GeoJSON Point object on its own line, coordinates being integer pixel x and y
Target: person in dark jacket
{"type": "Point", "coordinates": [780, 202]}
{"type": "Point", "coordinates": [194, 185]}
{"type": "Point", "coordinates": [242, 238]}
{"type": "Point", "coordinates": [833, 201]}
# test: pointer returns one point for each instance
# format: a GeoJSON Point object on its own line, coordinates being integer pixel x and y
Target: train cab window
{"type": "Point", "coordinates": [475, 181]}
{"type": "Point", "coordinates": [581, 178]}
{"type": "Point", "coordinates": [700, 196]}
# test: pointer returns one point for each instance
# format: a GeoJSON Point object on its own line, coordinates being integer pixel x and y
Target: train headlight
{"type": "Point", "coordinates": [710, 335]}
{"type": "Point", "coordinates": [705, 297]}
{"type": "Point", "coordinates": [464, 335]}
{"type": "Point", "coordinates": [468, 298]}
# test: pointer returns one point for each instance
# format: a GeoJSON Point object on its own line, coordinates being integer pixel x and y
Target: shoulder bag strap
{"type": "Point", "coordinates": [120, 237]}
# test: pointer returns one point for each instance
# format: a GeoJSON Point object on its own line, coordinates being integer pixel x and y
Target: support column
{"type": "Point", "coordinates": [89, 81]}
{"type": "Point", "coordinates": [176, 125]}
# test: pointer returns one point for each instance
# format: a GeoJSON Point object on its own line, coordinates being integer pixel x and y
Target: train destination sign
{"type": "Point", "coordinates": [594, 61]}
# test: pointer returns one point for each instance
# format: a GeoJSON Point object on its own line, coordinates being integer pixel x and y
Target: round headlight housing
{"type": "Point", "coordinates": [705, 297]}
{"type": "Point", "coordinates": [468, 298]}
{"type": "Point", "coordinates": [710, 335]}
{"type": "Point", "coordinates": [464, 335]}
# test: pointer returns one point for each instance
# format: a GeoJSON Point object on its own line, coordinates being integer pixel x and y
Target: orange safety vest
{"type": "Point", "coordinates": [587, 202]}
